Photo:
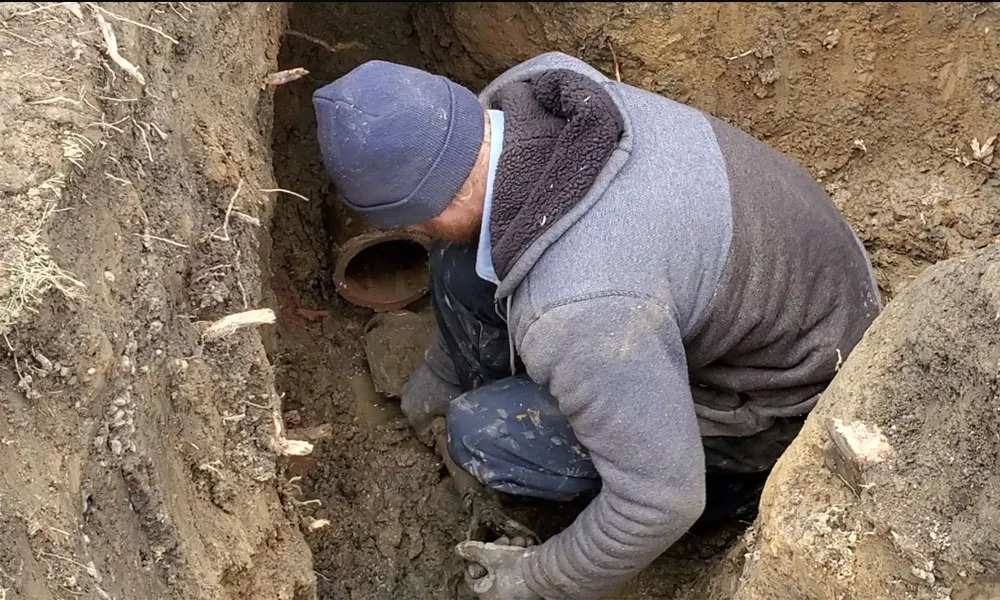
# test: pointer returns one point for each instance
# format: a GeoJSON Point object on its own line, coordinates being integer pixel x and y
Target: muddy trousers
{"type": "Point", "coordinates": [508, 432]}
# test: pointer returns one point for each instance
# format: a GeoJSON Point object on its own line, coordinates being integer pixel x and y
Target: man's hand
{"type": "Point", "coordinates": [495, 572]}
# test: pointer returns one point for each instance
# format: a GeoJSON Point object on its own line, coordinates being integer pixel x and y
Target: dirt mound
{"type": "Point", "coordinates": [137, 206]}
{"type": "Point", "coordinates": [890, 490]}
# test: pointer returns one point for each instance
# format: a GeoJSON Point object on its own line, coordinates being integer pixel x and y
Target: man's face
{"type": "Point", "coordinates": [458, 223]}
{"type": "Point", "coordinates": [461, 219]}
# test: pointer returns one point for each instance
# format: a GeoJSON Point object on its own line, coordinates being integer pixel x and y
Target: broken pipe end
{"type": "Point", "coordinates": [383, 270]}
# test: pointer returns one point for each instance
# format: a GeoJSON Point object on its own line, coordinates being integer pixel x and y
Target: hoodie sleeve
{"type": "Point", "coordinates": [617, 367]}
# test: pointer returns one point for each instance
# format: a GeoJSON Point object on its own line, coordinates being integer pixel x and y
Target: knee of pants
{"type": "Point", "coordinates": [511, 437]}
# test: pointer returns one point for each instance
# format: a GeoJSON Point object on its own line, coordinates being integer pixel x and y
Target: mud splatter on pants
{"type": "Point", "coordinates": [508, 432]}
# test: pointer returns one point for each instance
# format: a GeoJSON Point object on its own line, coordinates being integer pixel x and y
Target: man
{"type": "Point", "coordinates": [638, 303]}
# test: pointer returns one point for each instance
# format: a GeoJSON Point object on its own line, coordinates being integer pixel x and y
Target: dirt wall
{"type": "Point", "coordinates": [136, 459]}
{"type": "Point", "coordinates": [890, 489]}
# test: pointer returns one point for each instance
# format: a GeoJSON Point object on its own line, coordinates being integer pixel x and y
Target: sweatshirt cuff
{"type": "Point", "coordinates": [538, 581]}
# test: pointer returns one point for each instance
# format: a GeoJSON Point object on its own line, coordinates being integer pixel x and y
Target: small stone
{"type": "Point", "coordinates": [64, 372]}
{"type": "Point", "coordinates": [923, 574]}
{"type": "Point", "coordinates": [109, 277]}
{"type": "Point", "coordinates": [318, 524]}
{"type": "Point", "coordinates": [91, 371]}
{"type": "Point", "coordinates": [155, 327]}
{"type": "Point", "coordinates": [120, 401]}
{"type": "Point", "coordinates": [292, 418]}
{"type": "Point", "coordinates": [407, 459]}
{"type": "Point", "coordinates": [854, 448]}
{"type": "Point", "coordinates": [832, 39]}
{"type": "Point", "coordinates": [44, 362]}
{"type": "Point", "coordinates": [116, 447]}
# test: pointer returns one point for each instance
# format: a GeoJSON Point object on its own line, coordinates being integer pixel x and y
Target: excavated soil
{"type": "Point", "coordinates": [139, 460]}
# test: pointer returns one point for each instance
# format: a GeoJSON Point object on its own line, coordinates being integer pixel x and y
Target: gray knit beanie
{"type": "Point", "coordinates": [398, 142]}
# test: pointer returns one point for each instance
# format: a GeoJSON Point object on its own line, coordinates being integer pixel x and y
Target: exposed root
{"type": "Point", "coordinates": [44, 7]}
{"type": "Point", "coordinates": [230, 324]}
{"type": "Point", "coordinates": [283, 445]}
{"type": "Point", "coordinates": [315, 525]}
{"type": "Point", "coordinates": [614, 57]}
{"type": "Point", "coordinates": [229, 213]}
{"type": "Point", "coordinates": [289, 192]}
{"type": "Point", "coordinates": [75, 148]}
{"type": "Point", "coordinates": [247, 218]}
{"type": "Point", "coordinates": [334, 48]}
{"type": "Point", "coordinates": [95, 7]}
{"type": "Point", "coordinates": [111, 41]}
{"type": "Point", "coordinates": [145, 139]}
{"type": "Point", "coordinates": [286, 76]}
{"type": "Point", "coordinates": [22, 38]}
{"type": "Point", "coordinates": [146, 237]}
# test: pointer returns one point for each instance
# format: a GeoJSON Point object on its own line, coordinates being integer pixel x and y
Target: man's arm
{"type": "Point", "coordinates": [617, 367]}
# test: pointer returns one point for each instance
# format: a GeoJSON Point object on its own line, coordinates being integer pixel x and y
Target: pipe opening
{"type": "Point", "coordinates": [383, 274]}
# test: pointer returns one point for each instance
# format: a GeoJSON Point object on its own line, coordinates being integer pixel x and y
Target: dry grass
{"type": "Point", "coordinates": [28, 272]}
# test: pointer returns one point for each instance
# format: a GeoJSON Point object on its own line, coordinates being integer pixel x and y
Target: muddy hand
{"type": "Point", "coordinates": [487, 511]}
{"type": "Point", "coordinates": [495, 571]}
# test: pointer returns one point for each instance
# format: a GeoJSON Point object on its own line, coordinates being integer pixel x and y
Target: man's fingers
{"type": "Point", "coordinates": [475, 551]}
{"type": "Point", "coordinates": [476, 570]}
{"type": "Point", "coordinates": [487, 554]}
{"type": "Point", "coordinates": [480, 585]}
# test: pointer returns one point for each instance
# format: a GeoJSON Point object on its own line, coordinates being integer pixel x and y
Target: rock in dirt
{"type": "Point", "coordinates": [891, 491]}
{"type": "Point", "coordinates": [394, 345]}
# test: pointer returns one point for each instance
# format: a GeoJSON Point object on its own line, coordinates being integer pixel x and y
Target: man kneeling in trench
{"type": "Point", "coordinates": [638, 304]}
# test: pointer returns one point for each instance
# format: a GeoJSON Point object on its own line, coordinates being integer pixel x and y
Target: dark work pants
{"type": "Point", "coordinates": [508, 432]}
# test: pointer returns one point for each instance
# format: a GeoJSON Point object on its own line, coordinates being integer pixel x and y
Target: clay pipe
{"type": "Point", "coordinates": [377, 269]}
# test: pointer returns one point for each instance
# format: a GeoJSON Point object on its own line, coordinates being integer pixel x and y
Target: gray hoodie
{"type": "Point", "coordinates": [682, 281]}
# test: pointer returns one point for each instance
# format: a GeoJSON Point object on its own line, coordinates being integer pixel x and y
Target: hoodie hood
{"type": "Point", "coordinates": [566, 136]}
